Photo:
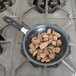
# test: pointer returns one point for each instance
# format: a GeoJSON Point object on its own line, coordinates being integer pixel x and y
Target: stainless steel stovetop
{"type": "Point", "coordinates": [12, 61]}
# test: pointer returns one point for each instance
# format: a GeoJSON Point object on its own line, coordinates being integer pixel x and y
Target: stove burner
{"type": "Point", "coordinates": [2, 4]}
{"type": "Point", "coordinates": [52, 5]}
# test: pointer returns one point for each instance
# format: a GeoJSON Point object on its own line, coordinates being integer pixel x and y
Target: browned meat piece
{"type": "Point", "coordinates": [32, 47]}
{"type": "Point", "coordinates": [46, 51]}
{"type": "Point", "coordinates": [45, 39]}
{"type": "Point", "coordinates": [38, 57]}
{"type": "Point", "coordinates": [40, 37]}
{"type": "Point", "coordinates": [42, 55]}
{"type": "Point", "coordinates": [57, 50]}
{"type": "Point", "coordinates": [49, 41]}
{"type": "Point", "coordinates": [43, 45]}
{"type": "Point", "coordinates": [37, 41]}
{"type": "Point", "coordinates": [49, 31]}
{"type": "Point", "coordinates": [55, 38]}
{"type": "Point", "coordinates": [54, 43]}
{"type": "Point", "coordinates": [56, 34]}
{"type": "Point", "coordinates": [48, 60]}
{"type": "Point", "coordinates": [35, 53]}
{"type": "Point", "coordinates": [50, 51]}
{"type": "Point", "coordinates": [51, 36]}
{"type": "Point", "coordinates": [51, 56]}
{"type": "Point", "coordinates": [45, 36]}
{"type": "Point", "coordinates": [59, 43]}
{"type": "Point", "coordinates": [51, 47]}
{"type": "Point", "coordinates": [43, 60]}
{"type": "Point", "coordinates": [36, 46]}
{"type": "Point", "coordinates": [40, 51]}
{"type": "Point", "coordinates": [43, 33]}
{"type": "Point", "coordinates": [53, 50]}
{"type": "Point", "coordinates": [30, 50]}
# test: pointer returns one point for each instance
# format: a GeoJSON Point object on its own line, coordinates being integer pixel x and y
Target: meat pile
{"type": "Point", "coordinates": [45, 45]}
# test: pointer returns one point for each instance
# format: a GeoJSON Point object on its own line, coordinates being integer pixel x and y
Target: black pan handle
{"type": "Point", "coordinates": [12, 22]}
{"type": "Point", "coordinates": [15, 24]}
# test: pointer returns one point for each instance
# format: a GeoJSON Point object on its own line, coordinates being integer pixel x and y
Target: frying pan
{"type": "Point", "coordinates": [35, 31]}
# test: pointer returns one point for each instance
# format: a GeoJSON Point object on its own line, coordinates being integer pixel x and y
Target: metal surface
{"type": "Point", "coordinates": [16, 65]}
{"type": "Point", "coordinates": [64, 62]}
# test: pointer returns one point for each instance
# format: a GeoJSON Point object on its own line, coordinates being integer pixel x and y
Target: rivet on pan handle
{"type": "Point", "coordinates": [15, 24]}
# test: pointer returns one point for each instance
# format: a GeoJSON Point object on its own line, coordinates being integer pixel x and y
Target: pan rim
{"type": "Point", "coordinates": [46, 64]}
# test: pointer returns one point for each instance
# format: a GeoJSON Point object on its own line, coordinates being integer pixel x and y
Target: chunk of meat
{"type": "Point", "coordinates": [45, 39]}
{"type": "Point", "coordinates": [45, 36]}
{"type": "Point", "coordinates": [49, 31]}
{"type": "Point", "coordinates": [54, 43]}
{"type": "Point", "coordinates": [51, 36]}
{"type": "Point", "coordinates": [48, 60]}
{"type": "Point", "coordinates": [51, 56]}
{"type": "Point", "coordinates": [37, 41]}
{"type": "Point", "coordinates": [40, 37]}
{"type": "Point", "coordinates": [35, 53]}
{"type": "Point", "coordinates": [43, 45]}
{"type": "Point", "coordinates": [44, 33]}
{"type": "Point", "coordinates": [46, 51]}
{"type": "Point", "coordinates": [50, 51]}
{"type": "Point", "coordinates": [56, 34]}
{"type": "Point", "coordinates": [59, 43]}
{"type": "Point", "coordinates": [43, 60]}
{"type": "Point", "coordinates": [55, 38]}
{"type": "Point", "coordinates": [53, 50]}
{"type": "Point", "coordinates": [42, 55]}
{"type": "Point", "coordinates": [40, 51]}
{"type": "Point", "coordinates": [30, 50]}
{"type": "Point", "coordinates": [32, 47]}
{"type": "Point", "coordinates": [51, 47]}
{"type": "Point", "coordinates": [36, 46]}
{"type": "Point", "coordinates": [49, 41]}
{"type": "Point", "coordinates": [57, 50]}
{"type": "Point", "coordinates": [38, 57]}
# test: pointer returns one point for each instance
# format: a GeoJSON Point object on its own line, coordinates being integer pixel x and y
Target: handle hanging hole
{"type": "Point", "coordinates": [8, 19]}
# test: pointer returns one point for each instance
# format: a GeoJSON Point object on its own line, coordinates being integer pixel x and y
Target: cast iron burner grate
{"type": "Point", "coordinates": [52, 5]}
{"type": "Point", "coordinates": [2, 4]}
{"type": "Point", "coordinates": [1, 39]}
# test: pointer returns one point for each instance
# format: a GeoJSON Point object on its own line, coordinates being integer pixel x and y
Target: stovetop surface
{"type": "Point", "coordinates": [12, 61]}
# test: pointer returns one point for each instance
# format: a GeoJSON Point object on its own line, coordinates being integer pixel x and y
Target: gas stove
{"type": "Point", "coordinates": [53, 5]}
{"type": "Point", "coordinates": [26, 12]}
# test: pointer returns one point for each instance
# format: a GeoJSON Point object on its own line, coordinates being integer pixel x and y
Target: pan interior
{"type": "Point", "coordinates": [39, 29]}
